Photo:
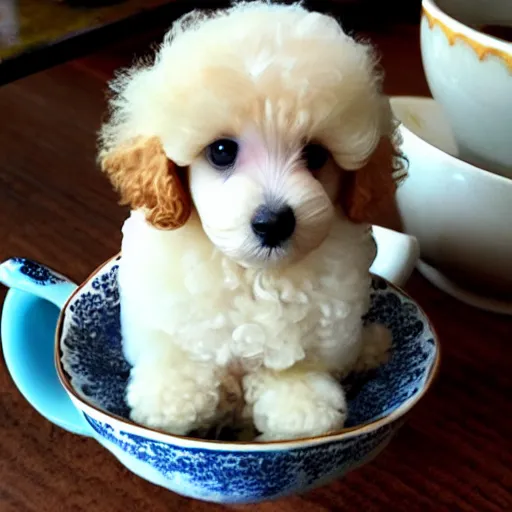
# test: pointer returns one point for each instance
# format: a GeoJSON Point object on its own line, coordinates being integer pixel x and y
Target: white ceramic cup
{"type": "Point", "coordinates": [460, 214]}
{"type": "Point", "coordinates": [470, 75]}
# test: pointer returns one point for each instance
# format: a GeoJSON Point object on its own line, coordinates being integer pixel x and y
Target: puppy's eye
{"type": "Point", "coordinates": [315, 156]}
{"type": "Point", "coordinates": [222, 153]}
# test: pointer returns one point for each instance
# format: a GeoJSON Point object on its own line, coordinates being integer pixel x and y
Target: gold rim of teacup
{"type": "Point", "coordinates": [484, 45]}
{"type": "Point", "coordinates": [345, 433]}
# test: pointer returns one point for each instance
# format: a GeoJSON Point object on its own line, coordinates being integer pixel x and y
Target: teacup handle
{"type": "Point", "coordinates": [397, 255]}
{"type": "Point", "coordinates": [29, 317]}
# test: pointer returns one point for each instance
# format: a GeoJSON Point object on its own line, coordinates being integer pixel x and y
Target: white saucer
{"type": "Point", "coordinates": [446, 285]}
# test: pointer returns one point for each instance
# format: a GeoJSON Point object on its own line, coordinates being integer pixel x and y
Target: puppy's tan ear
{"type": "Point", "coordinates": [368, 191]}
{"type": "Point", "coordinates": [146, 179]}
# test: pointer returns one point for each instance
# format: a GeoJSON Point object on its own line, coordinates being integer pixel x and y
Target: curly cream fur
{"type": "Point", "coordinates": [217, 328]}
{"type": "Point", "coordinates": [211, 74]}
{"type": "Point", "coordinates": [189, 313]}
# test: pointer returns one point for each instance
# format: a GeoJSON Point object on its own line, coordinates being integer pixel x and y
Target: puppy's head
{"type": "Point", "coordinates": [267, 119]}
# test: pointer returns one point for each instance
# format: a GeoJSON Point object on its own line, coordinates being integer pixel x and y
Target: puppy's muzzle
{"type": "Point", "coordinates": [273, 226]}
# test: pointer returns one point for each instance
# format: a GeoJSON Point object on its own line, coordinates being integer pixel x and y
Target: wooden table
{"type": "Point", "coordinates": [455, 452]}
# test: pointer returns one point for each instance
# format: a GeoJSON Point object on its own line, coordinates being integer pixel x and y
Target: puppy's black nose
{"type": "Point", "coordinates": [273, 227]}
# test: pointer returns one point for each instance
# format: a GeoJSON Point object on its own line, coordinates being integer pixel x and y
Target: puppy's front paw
{"type": "Point", "coordinates": [177, 399]}
{"type": "Point", "coordinates": [294, 405]}
{"type": "Point", "coordinates": [377, 340]}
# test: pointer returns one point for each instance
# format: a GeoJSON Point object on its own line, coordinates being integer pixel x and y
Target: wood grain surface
{"type": "Point", "coordinates": [454, 453]}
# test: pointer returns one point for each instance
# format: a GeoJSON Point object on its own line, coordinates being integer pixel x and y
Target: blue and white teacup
{"type": "Point", "coordinates": [77, 380]}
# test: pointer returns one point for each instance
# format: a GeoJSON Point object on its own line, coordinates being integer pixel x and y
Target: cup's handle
{"type": "Point", "coordinates": [29, 317]}
{"type": "Point", "coordinates": [397, 255]}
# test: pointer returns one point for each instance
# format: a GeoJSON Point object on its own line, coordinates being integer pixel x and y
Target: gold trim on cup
{"type": "Point", "coordinates": [482, 50]}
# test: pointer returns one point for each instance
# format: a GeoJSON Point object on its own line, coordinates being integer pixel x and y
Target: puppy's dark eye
{"type": "Point", "coordinates": [222, 153]}
{"type": "Point", "coordinates": [315, 156]}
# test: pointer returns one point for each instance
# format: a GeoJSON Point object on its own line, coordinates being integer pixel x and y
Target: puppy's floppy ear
{"type": "Point", "coordinates": [146, 179]}
{"type": "Point", "coordinates": [368, 191]}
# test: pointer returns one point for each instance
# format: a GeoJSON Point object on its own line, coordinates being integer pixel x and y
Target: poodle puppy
{"type": "Point", "coordinates": [253, 151]}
